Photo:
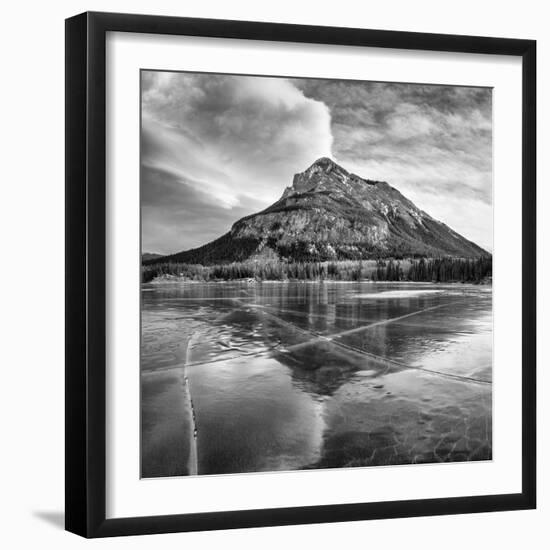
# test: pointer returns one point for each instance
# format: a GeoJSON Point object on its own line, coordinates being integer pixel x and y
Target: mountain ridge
{"type": "Point", "coordinates": [328, 214]}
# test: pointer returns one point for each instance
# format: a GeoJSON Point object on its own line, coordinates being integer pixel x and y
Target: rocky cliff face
{"type": "Point", "coordinates": [331, 214]}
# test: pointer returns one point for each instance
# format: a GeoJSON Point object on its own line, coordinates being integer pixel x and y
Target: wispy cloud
{"type": "Point", "coordinates": [178, 215]}
{"type": "Point", "coordinates": [434, 143]}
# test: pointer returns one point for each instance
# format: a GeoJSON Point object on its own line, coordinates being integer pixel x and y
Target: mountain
{"type": "Point", "coordinates": [148, 256]}
{"type": "Point", "coordinates": [331, 214]}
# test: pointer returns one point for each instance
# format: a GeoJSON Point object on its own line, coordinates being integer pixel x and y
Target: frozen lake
{"type": "Point", "coordinates": [239, 377]}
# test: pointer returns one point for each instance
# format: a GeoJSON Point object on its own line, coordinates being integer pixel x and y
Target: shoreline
{"type": "Point", "coordinates": [183, 280]}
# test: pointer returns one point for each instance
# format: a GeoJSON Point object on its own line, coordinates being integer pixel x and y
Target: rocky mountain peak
{"type": "Point", "coordinates": [319, 172]}
{"type": "Point", "coordinates": [326, 164]}
{"type": "Point", "coordinates": [326, 175]}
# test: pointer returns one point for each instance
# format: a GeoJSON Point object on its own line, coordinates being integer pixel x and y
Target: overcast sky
{"type": "Point", "coordinates": [216, 148]}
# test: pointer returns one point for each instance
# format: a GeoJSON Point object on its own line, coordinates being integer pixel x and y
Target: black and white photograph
{"type": "Point", "coordinates": [316, 274]}
{"type": "Point", "coordinates": [274, 275]}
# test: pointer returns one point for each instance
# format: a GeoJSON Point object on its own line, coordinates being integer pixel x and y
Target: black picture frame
{"type": "Point", "coordinates": [86, 265]}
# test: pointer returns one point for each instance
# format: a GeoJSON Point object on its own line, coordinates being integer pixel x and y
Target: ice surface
{"type": "Point", "coordinates": [292, 376]}
{"type": "Point", "coordinates": [394, 294]}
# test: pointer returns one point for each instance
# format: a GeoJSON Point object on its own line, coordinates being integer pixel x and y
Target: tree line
{"type": "Point", "coordinates": [437, 270]}
{"type": "Point", "coordinates": [423, 270]}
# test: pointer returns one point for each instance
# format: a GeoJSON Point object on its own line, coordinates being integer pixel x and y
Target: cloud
{"type": "Point", "coordinates": [230, 138]}
{"type": "Point", "coordinates": [177, 215]}
{"type": "Point", "coordinates": [434, 143]}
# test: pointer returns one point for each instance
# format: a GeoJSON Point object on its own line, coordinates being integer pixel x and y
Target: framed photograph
{"type": "Point", "coordinates": [300, 274]}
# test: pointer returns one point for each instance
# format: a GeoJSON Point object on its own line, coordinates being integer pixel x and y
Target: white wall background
{"type": "Point", "coordinates": [32, 251]}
